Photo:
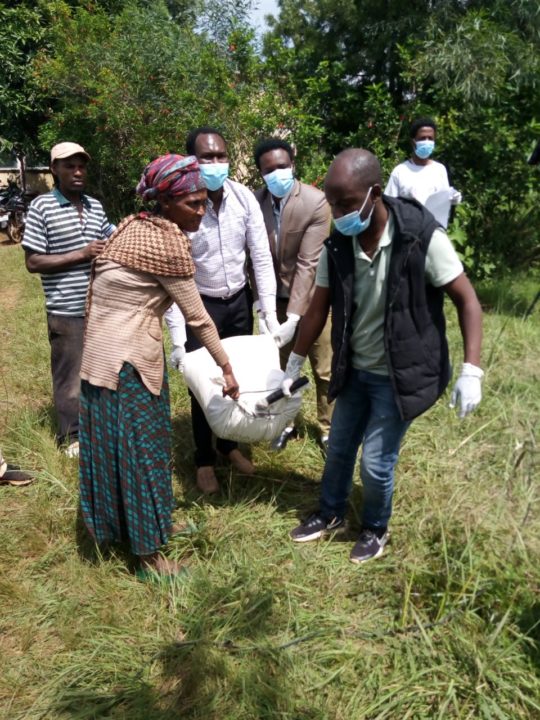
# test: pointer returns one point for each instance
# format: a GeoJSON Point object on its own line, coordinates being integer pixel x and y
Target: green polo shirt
{"type": "Point", "coordinates": [370, 281]}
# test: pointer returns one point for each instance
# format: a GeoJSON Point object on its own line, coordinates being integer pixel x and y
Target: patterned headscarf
{"type": "Point", "coordinates": [171, 174]}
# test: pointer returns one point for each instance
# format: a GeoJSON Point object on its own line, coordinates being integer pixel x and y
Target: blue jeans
{"type": "Point", "coordinates": [365, 413]}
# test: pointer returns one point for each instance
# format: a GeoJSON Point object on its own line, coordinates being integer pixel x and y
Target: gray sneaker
{"type": "Point", "coordinates": [368, 546]}
{"type": "Point", "coordinates": [317, 526]}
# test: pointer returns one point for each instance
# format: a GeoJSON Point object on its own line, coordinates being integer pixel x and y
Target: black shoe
{"type": "Point", "coordinates": [280, 443]}
{"type": "Point", "coordinates": [368, 546]}
{"type": "Point", "coordinates": [317, 526]}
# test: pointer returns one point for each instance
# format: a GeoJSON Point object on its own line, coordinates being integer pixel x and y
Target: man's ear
{"type": "Point", "coordinates": [376, 191]}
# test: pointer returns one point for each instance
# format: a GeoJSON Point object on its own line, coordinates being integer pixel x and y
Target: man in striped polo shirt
{"type": "Point", "coordinates": [65, 230]}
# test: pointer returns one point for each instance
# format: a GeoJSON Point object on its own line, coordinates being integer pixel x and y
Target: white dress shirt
{"type": "Point", "coordinates": [219, 247]}
{"type": "Point", "coordinates": [219, 252]}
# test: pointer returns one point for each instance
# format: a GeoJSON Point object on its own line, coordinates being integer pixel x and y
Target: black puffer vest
{"type": "Point", "coordinates": [414, 325]}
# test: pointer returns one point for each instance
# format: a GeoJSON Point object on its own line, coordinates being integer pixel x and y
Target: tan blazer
{"type": "Point", "coordinates": [305, 224]}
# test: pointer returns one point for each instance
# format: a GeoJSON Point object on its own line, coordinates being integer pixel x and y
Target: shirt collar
{"type": "Point", "coordinates": [63, 201]}
{"type": "Point", "coordinates": [282, 201]}
{"type": "Point", "coordinates": [386, 239]}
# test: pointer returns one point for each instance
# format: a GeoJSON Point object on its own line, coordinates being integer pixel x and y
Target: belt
{"type": "Point", "coordinates": [224, 300]}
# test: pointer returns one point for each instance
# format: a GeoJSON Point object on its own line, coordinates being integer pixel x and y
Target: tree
{"type": "Point", "coordinates": [127, 102]}
{"type": "Point", "coordinates": [21, 36]}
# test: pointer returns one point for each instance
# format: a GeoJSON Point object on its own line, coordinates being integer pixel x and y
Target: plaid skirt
{"type": "Point", "coordinates": [124, 463]}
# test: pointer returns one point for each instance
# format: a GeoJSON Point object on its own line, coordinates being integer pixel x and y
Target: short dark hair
{"type": "Point", "coordinates": [264, 146]}
{"type": "Point", "coordinates": [203, 130]}
{"type": "Point", "coordinates": [420, 123]}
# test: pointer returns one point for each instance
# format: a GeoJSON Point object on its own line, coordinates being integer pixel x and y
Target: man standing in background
{"type": "Point", "coordinates": [297, 219]}
{"type": "Point", "coordinates": [65, 230]}
{"type": "Point", "coordinates": [421, 177]}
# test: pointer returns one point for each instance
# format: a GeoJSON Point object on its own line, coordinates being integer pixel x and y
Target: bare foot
{"type": "Point", "coordinates": [207, 480]}
{"type": "Point", "coordinates": [241, 463]}
{"type": "Point", "coordinates": [160, 564]}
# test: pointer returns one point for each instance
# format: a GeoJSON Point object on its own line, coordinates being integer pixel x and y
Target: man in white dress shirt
{"type": "Point", "coordinates": [232, 226]}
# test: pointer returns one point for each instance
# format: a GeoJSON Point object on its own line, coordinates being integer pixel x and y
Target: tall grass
{"type": "Point", "coordinates": [445, 625]}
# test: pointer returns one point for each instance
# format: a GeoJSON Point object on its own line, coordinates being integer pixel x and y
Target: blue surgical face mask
{"type": "Point", "coordinates": [214, 174]}
{"type": "Point", "coordinates": [352, 223]}
{"type": "Point", "coordinates": [279, 182]}
{"type": "Point", "coordinates": [424, 148]}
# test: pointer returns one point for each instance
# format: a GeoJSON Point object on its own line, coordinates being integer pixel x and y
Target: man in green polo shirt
{"type": "Point", "coordinates": [384, 272]}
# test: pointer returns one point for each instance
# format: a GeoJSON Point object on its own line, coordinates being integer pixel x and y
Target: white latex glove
{"type": "Point", "coordinates": [176, 358]}
{"type": "Point", "coordinates": [294, 367]}
{"type": "Point", "coordinates": [455, 196]}
{"type": "Point", "coordinates": [263, 330]}
{"type": "Point", "coordinates": [286, 330]}
{"type": "Point", "coordinates": [177, 325]}
{"type": "Point", "coordinates": [271, 322]}
{"type": "Point", "coordinates": [467, 390]}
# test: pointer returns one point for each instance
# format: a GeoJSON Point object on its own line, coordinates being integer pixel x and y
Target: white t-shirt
{"type": "Point", "coordinates": [408, 180]}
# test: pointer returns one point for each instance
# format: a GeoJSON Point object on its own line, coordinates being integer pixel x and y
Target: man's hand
{"type": "Point", "coordinates": [467, 390]}
{"type": "Point", "coordinates": [263, 330]}
{"type": "Point", "coordinates": [271, 322]}
{"type": "Point", "coordinates": [176, 358]}
{"type": "Point", "coordinates": [286, 330]}
{"type": "Point", "coordinates": [295, 363]}
{"type": "Point", "coordinates": [94, 248]}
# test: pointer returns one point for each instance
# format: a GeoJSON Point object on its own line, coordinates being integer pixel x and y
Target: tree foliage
{"type": "Point", "coordinates": [21, 102]}
{"type": "Point", "coordinates": [133, 84]}
{"type": "Point", "coordinates": [129, 78]}
{"type": "Point", "coordinates": [471, 64]}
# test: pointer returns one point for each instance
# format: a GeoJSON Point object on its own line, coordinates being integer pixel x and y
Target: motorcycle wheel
{"type": "Point", "coordinates": [15, 227]}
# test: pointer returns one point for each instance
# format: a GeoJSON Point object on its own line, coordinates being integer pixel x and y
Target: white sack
{"type": "Point", "coordinates": [255, 363]}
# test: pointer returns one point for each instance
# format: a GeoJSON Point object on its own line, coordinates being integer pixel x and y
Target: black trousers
{"type": "Point", "coordinates": [66, 341]}
{"type": "Point", "coordinates": [233, 316]}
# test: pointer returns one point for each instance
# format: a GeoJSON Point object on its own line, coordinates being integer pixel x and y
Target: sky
{"type": "Point", "coordinates": [265, 7]}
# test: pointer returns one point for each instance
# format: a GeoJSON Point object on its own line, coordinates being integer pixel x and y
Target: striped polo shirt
{"type": "Point", "coordinates": [54, 226]}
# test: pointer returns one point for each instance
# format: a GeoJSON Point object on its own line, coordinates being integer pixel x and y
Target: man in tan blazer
{"type": "Point", "coordinates": [297, 219]}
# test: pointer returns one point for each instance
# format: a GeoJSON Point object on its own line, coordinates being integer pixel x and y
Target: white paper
{"type": "Point", "coordinates": [439, 205]}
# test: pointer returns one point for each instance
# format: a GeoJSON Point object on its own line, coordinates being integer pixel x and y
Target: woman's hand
{"type": "Point", "coordinates": [231, 387]}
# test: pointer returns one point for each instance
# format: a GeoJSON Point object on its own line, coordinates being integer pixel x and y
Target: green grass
{"type": "Point", "coordinates": [445, 625]}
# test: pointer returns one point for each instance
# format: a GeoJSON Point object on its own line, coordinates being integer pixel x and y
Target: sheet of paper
{"type": "Point", "coordinates": [439, 205]}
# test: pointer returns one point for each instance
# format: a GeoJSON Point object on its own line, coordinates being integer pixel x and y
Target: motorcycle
{"type": "Point", "coordinates": [13, 207]}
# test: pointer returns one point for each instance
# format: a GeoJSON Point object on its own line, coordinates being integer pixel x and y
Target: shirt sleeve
{"type": "Point", "coordinates": [184, 292]}
{"type": "Point", "coordinates": [107, 228]}
{"type": "Point", "coordinates": [35, 232]}
{"type": "Point", "coordinates": [392, 188]}
{"type": "Point", "coordinates": [321, 277]}
{"type": "Point", "coordinates": [442, 262]}
{"type": "Point", "coordinates": [308, 257]}
{"type": "Point", "coordinates": [261, 257]}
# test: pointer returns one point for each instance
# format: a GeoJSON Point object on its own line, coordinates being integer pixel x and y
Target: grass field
{"type": "Point", "coordinates": [445, 625]}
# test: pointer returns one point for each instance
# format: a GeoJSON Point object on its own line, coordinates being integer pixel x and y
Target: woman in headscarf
{"type": "Point", "coordinates": [125, 454]}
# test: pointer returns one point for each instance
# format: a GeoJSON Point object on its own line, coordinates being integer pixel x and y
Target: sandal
{"type": "Point", "coordinates": [15, 476]}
